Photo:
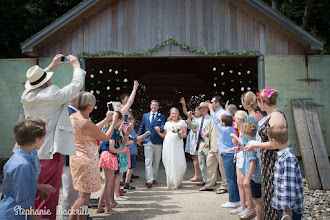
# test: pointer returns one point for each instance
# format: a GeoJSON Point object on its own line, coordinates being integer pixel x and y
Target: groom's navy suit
{"type": "Point", "coordinates": [147, 126]}
{"type": "Point", "coordinates": [152, 144]}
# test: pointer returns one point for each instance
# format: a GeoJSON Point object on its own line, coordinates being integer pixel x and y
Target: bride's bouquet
{"type": "Point", "coordinates": [176, 128]}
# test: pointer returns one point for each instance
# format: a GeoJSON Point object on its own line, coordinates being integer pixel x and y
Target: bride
{"type": "Point", "coordinates": [173, 152]}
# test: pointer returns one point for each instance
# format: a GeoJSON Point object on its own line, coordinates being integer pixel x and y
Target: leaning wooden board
{"type": "Point", "coordinates": [320, 152]}
{"type": "Point", "coordinates": [305, 145]}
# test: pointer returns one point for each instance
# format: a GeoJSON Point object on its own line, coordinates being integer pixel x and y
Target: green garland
{"type": "Point", "coordinates": [169, 40]}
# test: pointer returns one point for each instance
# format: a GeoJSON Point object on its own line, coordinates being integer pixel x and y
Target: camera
{"type": "Point", "coordinates": [110, 106]}
{"type": "Point", "coordinates": [64, 59]}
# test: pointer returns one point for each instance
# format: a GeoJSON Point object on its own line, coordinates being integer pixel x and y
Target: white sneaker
{"type": "Point", "coordinates": [229, 205]}
{"type": "Point", "coordinates": [238, 204]}
{"type": "Point", "coordinates": [236, 211]}
{"type": "Point", "coordinates": [120, 198]}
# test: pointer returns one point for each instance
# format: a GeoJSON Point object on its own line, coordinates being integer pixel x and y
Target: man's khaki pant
{"type": "Point", "coordinates": [212, 162]}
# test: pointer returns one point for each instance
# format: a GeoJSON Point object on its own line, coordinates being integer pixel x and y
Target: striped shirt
{"type": "Point", "coordinates": [288, 186]}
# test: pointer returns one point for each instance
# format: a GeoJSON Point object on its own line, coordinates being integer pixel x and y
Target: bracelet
{"type": "Point", "coordinates": [106, 121]}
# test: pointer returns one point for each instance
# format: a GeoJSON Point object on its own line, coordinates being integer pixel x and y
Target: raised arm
{"type": "Point", "coordinates": [91, 129]}
{"type": "Point", "coordinates": [184, 106]}
{"type": "Point", "coordinates": [130, 99]}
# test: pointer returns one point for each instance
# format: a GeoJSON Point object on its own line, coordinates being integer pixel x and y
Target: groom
{"type": "Point", "coordinates": [152, 143]}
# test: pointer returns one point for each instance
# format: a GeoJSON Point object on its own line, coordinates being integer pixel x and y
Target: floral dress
{"type": "Point", "coordinates": [191, 140]}
{"type": "Point", "coordinates": [85, 164]}
{"type": "Point", "coordinates": [267, 177]}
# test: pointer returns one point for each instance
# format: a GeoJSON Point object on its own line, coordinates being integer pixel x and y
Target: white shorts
{"type": "Point", "coordinates": [239, 160]}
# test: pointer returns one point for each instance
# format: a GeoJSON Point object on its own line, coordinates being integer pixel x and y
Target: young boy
{"type": "Point", "coordinates": [19, 185]}
{"type": "Point", "coordinates": [225, 127]}
{"type": "Point", "coordinates": [288, 187]}
{"type": "Point", "coordinates": [133, 138]}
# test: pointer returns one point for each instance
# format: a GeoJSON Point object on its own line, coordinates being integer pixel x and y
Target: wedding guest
{"type": "Point", "coordinates": [288, 187]}
{"type": "Point", "coordinates": [19, 186]}
{"type": "Point", "coordinates": [173, 158]}
{"type": "Point", "coordinates": [133, 139]}
{"type": "Point", "coordinates": [191, 141]}
{"type": "Point", "coordinates": [252, 173]}
{"type": "Point", "coordinates": [225, 127]}
{"type": "Point", "coordinates": [202, 126]}
{"type": "Point", "coordinates": [154, 122]}
{"type": "Point", "coordinates": [240, 117]}
{"type": "Point", "coordinates": [248, 99]}
{"type": "Point", "coordinates": [69, 195]}
{"type": "Point", "coordinates": [109, 161]}
{"type": "Point", "coordinates": [43, 99]}
{"type": "Point", "coordinates": [214, 160]}
{"type": "Point", "coordinates": [267, 99]}
{"type": "Point", "coordinates": [85, 164]}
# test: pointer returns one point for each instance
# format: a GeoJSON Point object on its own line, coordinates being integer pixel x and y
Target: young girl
{"type": "Point", "coordinates": [240, 117]}
{"type": "Point", "coordinates": [191, 141]}
{"type": "Point", "coordinates": [109, 162]}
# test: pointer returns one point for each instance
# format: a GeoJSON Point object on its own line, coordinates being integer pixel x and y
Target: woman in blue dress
{"type": "Point", "coordinates": [191, 142]}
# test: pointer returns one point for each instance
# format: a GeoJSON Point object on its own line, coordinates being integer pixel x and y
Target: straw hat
{"type": "Point", "coordinates": [36, 77]}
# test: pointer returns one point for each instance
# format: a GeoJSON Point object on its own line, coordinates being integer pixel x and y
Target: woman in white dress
{"type": "Point", "coordinates": [173, 151]}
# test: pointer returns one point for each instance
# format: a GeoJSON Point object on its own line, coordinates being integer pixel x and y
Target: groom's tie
{"type": "Point", "coordinates": [201, 128]}
{"type": "Point", "coordinates": [153, 118]}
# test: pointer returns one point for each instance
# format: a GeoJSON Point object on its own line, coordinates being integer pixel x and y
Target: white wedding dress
{"type": "Point", "coordinates": [173, 155]}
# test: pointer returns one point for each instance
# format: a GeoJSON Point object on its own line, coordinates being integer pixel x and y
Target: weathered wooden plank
{"type": "Point", "coordinates": [305, 145]}
{"type": "Point", "coordinates": [86, 36]}
{"type": "Point", "coordinates": [120, 26]}
{"type": "Point", "coordinates": [199, 24]}
{"type": "Point", "coordinates": [74, 45]}
{"type": "Point", "coordinates": [267, 40]}
{"type": "Point", "coordinates": [216, 25]}
{"type": "Point", "coordinates": [103, 22]}
{"type": "Point", "coordinates": [239, 29]}
{"type": "Point", "coordinates": [187, 10]}
{"type": "Point", "coordinates": [91, 36]}
{"type": "Point", "coordinates": [108, 29]}
{"type": "Point", "coordinates": [80, 39]}
{"type": "Point", "coordinates": [222, 31]}
{"type": "Point", "coordinates": [233, 26]}
{"type": "Point", "coordinates": [250, 29]}
{"type": "Point", "coordinates": [153, 19]}
{"type": "Point", "coordinates": [68, 49]}
{"type": "Point", "coordinates": [114, 26]}
{"type": "Point", "coordinates": [228, 22]}
{"type": "Point", "coordinates": [97, 32]}
{"type": "Point", "coordinates": [320, 151]}
{"type": "Point", "coordinates": [256, 39]}
{"type": "Point", "coordinates": [193, 20]}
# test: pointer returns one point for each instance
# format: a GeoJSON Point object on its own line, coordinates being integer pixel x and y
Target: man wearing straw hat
{"type": "Point", "coordinates": [43, 99]}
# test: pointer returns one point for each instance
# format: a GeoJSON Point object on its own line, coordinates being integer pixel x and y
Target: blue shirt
{"type": "Point", "coordinates": [105, 145]}
{"type": "Point", "coordinates": [250, 118]}
{"type": "Point", "coordinates": [248, 156]}
{"type": "Point", "coordinates": [225, 141]}
{"type": "Point", "coordinates": [19, 185]}
{"type": "Point", "coordinates": [288, 186]}
{"type": "Point", "coordinates": [133, 147]}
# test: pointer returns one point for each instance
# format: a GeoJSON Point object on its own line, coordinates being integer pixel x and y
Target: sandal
{"type": "Point", "coordinates": [249, 215]}
{"type": "Point", "coordinates": [221, 191]}
{"type": "Point", "coordinates": [205, 189]}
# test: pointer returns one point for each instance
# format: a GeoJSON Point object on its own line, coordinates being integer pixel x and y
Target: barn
{"type": "Point", "coordinates": [187, 48]}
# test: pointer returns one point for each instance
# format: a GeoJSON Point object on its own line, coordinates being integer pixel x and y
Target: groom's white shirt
{"type": "Point", "coordinates": [150, 117]}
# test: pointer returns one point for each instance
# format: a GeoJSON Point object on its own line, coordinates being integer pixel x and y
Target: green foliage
{"type": "Point", "coordinates": [169, 40]}
{"type": "Point", "coordinates": [21, 19]}
{"type": "Point", "coordinates": [319, 24]}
